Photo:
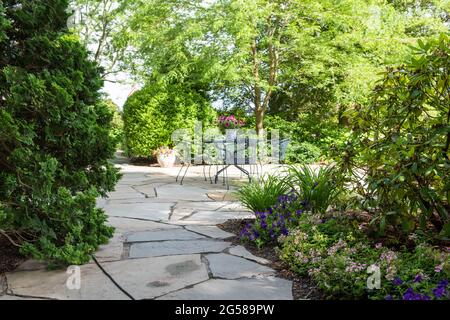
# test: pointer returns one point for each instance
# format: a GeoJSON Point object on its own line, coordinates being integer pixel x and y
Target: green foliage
{"type": "Point", "coordinates": [336, 255]}
{"type": "Point", "coordinates": [54, 136]}
{"type": "Point", "coordinates": [317, 187]}
{"type": "Point", "coordinates": [401, 143]}
{"type": "Point", "coordinates": [152, 114]}
{"type": "Point", "coordinates": [262, 194]}
{"type": "Point", "coordinates": [304, 153]}
{"type": "Point", "coordinates": [116, 132]}
{"type": "Point", "coordinates": [101, 26]}
{"type": "Point", "coordinates": [311, 138]}
{"type": "Point", "coordinates": [315, 58]}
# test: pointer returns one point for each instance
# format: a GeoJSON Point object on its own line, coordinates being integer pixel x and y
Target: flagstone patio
{"type": "Point", "coordinates": [166, 246]}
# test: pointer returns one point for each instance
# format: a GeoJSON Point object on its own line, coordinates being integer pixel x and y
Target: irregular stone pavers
{"type": "Point", "coordinates": [113, 250]}
{"type": "Point", "coordinates": [210, 231]}
{"type": "Point", "coordinates": [216, 216]}
{"type": "Point", "coordinates": [163, 235]}
{"type": "Point", "coordinates": [148, 210]}
{"type": "Point", "coordinates": [240, 251]}
{"type": "Point", "coordinates": [226, 266]}
{"type": "Point", "coordinates": [166, 246]}
{"type": "Point", "coordinates": [153, 277]}
{"type": "Point", "coordinates": [268, 288]}
{"type": "Point", "coordinates": [95, 285]}
{"type": "Point", "coordinates": [130, 225]}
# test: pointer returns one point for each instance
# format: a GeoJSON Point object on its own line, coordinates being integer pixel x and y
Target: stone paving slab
{"type": "Point", "coordinates": [153, 277]}
{"type": "Point", "coordinates": [126, 193]}
{"type": "Point", "coordinates": [31, 265]}
{"type": "Point", "coordinates": [166, 245]}
{"type": "Point", "coordinates": [95, 285]}
{"type": "Point", "coordinates": [146, 210]}
{"type": "Point", "coordinates": [226, 266]}
{"type": "Point", "coordinates": [179, 193]}
{"type": "Point", "coordinates": [222, 196]}
{"type": "Point", "coordinates": [188, 207]}
{"type": "Point", "coordinates": [167, 248]}
{"type": "Point", "coordinates": [234, 206]}
{"type": "Point", "coordinates": [132, 179]}
{"type": "Point", "coordinates": [218, 216]}
{"type": "Point", "coordinates": [129, 225]}
{"type": "Point", "coordinates": [240, 251]}
{"type": "Point", "coordinates": [242, 289]}
{"type": "Point", "coordinates": [111, 251]}
{"type": "Point", "coordinates": [210, 231]}
{"type": "Point", "coordinates": [164, 235]}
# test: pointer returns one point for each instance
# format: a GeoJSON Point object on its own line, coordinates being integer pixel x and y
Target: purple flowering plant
{"type": "Point", "coordinates": [275, 221]}
{"type": "Point", "coordinates": [422, 275]}
{"type": "Point", "coordinates": [419, 288]}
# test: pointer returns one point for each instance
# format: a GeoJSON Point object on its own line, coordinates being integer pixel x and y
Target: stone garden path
{"type": "Point", "coordinates": [166, 246]}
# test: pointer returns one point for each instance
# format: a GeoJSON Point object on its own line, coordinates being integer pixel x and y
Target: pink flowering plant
{"type": "Point", "coordinates": [230, 122]}
{"type": "Point", "coordinates": [337, 257]}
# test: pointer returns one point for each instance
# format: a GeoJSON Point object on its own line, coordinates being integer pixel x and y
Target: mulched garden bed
{"type": "Point", "coordinates": [10, 258]}
{"type": "Point", "coordinates": [303, 288]}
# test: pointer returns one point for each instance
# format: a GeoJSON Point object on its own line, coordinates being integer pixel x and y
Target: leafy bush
{"type": "Point", "coordinates": [152, 114]}
{"type": "Point", "coordinates": [273, 222]}
{"type": "Point", "coordinates": [401, 144]}
{"type": "Point", "coordinates": [116, 132]}
{"type": "Point", "coordinates": [317, 188]}
{"type": "Point", "coordinates": [259, 195]}
{"type": "Point", "coordinates": [54, 136]}
{"type": "Point", "coordinates": [311, 139]}
{"type": "Point", "coordinates": [337, 256]}
{"type": "Point", "coordinates": [303, 153]}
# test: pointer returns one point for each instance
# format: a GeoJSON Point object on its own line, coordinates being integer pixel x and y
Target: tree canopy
{"type": "Point", "coordinates": [288, 56]}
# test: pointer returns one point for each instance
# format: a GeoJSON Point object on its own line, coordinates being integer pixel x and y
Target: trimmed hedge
{"type": "Point", "coordinates": [153, 113]}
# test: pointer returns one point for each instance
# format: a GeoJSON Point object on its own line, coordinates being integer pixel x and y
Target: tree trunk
{"type": "Point", "coordinates": [259, 113]}
{"type": "Point", "coordinates": [259, 108]}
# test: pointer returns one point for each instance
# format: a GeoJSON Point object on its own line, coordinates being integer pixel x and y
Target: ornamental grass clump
{"type": "Point", "coordinates": [318, 187]}
{"type": "Point", "coordinates": [260, 195]}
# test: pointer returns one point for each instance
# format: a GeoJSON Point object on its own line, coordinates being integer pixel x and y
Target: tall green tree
{"type": "Point", "coordinates": [54, 136]}
{"type": "Point", "coordinates": [281, 54]}
{"type": "Point", "coordinates": [103, 29]}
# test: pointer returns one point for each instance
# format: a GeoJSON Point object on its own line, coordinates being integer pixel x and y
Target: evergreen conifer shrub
{"type": "Point", "coordinates": [152, 114]}
{"type": "Point", "coordinates": [54, 136]}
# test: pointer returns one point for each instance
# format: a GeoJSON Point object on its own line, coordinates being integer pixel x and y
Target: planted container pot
{"type": "Point", "coordinates": [232, 134]}
{"type": "Point", "coordinates": [166, 157]}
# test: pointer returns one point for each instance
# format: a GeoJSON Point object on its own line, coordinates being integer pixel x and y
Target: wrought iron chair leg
{"type": "Point", "coordinates": [209, 173]}
{"type": "Point", "coordinates": [226, 179]}
{"type": "Point", "coordinates": [179, 172]}
{"type": "Point", "coordinates": [185, 173]}
{"type": "Point", "coordinates": [204, 172]}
